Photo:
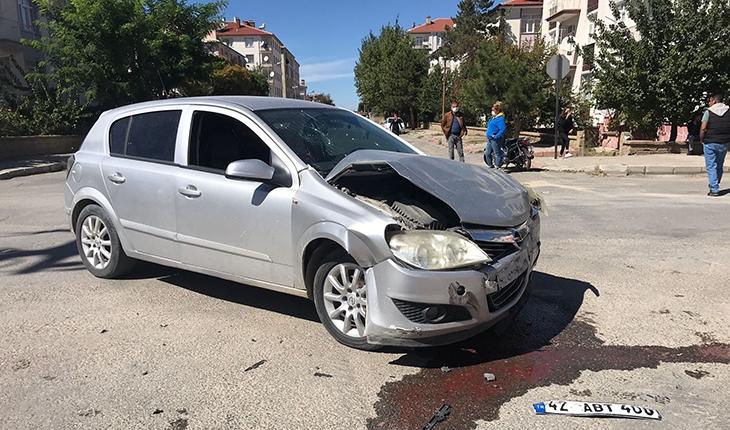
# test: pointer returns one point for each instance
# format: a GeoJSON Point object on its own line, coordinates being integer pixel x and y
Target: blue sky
{"type": "Point", "coordinates": [325, 36]}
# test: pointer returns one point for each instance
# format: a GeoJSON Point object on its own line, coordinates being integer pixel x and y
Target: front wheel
{"type": "Point", "coordinates": [98, 244]}
{"type": "Point", "coordinates": [340, 297]}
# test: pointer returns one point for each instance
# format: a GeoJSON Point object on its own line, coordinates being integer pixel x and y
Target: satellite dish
{"type": "Point", "coordinates": [262, 26]}
{"type": "Point", "coordinates": [266, 58]}
{"type": "Point", "coordinates": [271, 74]}
{"type": "Point", "coordinates": [567, 44]}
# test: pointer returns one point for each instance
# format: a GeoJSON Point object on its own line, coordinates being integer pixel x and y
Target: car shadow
{"type": "Point", "coordinates": [552, 308]}
{"type": "Point", "coordinates": [55, 258]}
{"type": "Point", "coordinates": [230, 291]}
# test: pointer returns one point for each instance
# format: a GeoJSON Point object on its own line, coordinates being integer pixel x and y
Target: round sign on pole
{"type": "Point", "coordinates": [558, 66]}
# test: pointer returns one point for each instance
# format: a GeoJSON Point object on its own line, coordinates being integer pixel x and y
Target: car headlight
{"type": "Point", "coordinates": [436, 250]}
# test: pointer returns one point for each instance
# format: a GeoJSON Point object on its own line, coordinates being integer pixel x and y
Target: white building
{"type": "Point", "coordinates": [524, 20]}
{"type": "Point", "coordinates": [428, 36]}
{"type": "Point", "coordinates": [18, 21]}
{"type": "Point", "coordinates": [262, 50]}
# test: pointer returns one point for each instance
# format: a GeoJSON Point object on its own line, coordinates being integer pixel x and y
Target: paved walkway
{"type": "Point", "coordinates": [11, 168]}
{"type": "Point", "coordinates": [432, 143]}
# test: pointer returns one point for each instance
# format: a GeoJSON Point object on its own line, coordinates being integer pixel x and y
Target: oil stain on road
{"type": "Point", "coordinates": [546, 345]}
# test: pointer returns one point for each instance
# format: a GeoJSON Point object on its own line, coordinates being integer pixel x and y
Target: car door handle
{"type": "Point", "coordinates": [117, 178]}
{"type": "Point", "coordinates": [189, 191]}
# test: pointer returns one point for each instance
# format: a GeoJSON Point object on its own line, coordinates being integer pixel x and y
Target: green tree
{"type": "Point", "coordinates": [431, 97]}
{"type": "Point", "coordinates": [231, 79]}
{"type": "Point", "coordinates": [513, 75]}
{"type": "Point", "coordinates": [122, 51]}
{"type": "Point", "coordinates": [326, 99]}
{"type": "Point", "coordinates": [475, 22]}
{"type": "Point", "coordinates": [679, 53]}
{"type": "Point", "coordinates": [390, 72]}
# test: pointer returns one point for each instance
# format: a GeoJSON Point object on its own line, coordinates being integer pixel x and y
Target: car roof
{"type": "Point", "coordinates": [252, 103]}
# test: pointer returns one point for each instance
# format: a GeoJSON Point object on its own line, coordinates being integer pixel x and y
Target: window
{"type": "Point", "coordinates": [419, 41]}
{"type": "Point", "coordinates": [217, 140]}
{"type": "Point", "coordinates": [592, 5]}
{"type": "Point", "coordinates": [530, 23]}
{"type": "Point", "coordinates": [150, 136]}
{"type": "Point", "coordinates": [27, 19]}
{"type": "Point", "coordinates": [249, 42]}
{"type": "Point", "coordinates": [249, 60]}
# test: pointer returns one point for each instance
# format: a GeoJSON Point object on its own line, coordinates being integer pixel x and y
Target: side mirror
{"type": "Point", "coordinates": [250, 169]}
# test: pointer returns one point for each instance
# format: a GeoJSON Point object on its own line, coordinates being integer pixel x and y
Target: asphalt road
{"type": "Point", "coordinates": [630, 306]}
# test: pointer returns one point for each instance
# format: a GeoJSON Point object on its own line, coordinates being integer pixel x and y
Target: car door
{"type": "Point", "coordinates": [234, 226]}
{"type": "Point", "coordinates": [139, 175]}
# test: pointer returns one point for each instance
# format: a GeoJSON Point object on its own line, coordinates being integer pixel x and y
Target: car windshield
{"type": "Point", "coordinates": [323, 137]}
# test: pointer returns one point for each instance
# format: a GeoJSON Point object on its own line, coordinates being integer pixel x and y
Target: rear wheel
{"type": "Point", "coordinates": [340, 297]}
{"type": "Point", "coordinates": [98, 244]}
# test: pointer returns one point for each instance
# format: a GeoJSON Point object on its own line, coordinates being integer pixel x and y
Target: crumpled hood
{"type": "Point", "coordinates": [719, 109]}
{"type": "Point", "coordinates": [478, 195]}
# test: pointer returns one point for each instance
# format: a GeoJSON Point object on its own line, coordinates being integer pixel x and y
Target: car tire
{"type": "Point", "coordinates": [340, 297]}
{"type": "Point", "coordinates": [98, 244]}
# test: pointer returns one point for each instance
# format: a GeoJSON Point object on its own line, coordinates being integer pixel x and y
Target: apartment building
{"type": "Point", "coordinates": [524, 20]}
{"type": "Point", "coordinates": [262, 50]}
{"type": "Point", "coordinates": [18, 21]}
{"type": "Point", "coordinates": [568, 23]}
{"type": "Point", "coordinates": [428, 36]}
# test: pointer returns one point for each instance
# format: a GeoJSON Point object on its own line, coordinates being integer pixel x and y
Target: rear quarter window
{"type": "Point", "coordinates": [150, 136]}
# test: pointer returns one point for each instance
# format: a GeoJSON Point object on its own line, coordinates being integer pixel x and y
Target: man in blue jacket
{"type": "Point", "coordinates": [496, 128]}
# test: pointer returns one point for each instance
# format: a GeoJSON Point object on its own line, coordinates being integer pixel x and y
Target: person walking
{"type": "Point", "coordinates": [454, 129]}
{"type": "Point", "coordinates": [496, 127]}
{"type": "Point", "coordinates": [565, 127]}
{"type": "Point", "coordinates": [395, 126]}
{"type": "Point", "coordinates": [715, 137]}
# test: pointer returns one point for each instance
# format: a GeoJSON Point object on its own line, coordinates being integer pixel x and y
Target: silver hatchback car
{"type": "Point", "coordinates": [394, 247]}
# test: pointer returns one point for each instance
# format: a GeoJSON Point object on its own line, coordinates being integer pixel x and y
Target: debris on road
{"type": "Point", "coordinates": [255, 365]}
{"type": "Point", "coordinates": [490, 377]}
{"type": "Point", "coordinates": [697, 374]}
{"type": "Point", "coordinates": [157, 412]}
{"type": "Point", "coordinates": [104, 331]}
{"type": "Point", "coordinates": [440, 415]}
{"type": "Point", "coordinates": [445, 369]}
{"type": "Point", "coordinates": [322, 375]}
{"type": "Point", "coordinates": [585, 409]}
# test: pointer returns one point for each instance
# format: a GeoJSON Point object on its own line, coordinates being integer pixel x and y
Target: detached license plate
{"type": "Point", "coordinates": [513, 270]}
{"type": "Point", "coordinates": [585, 409]}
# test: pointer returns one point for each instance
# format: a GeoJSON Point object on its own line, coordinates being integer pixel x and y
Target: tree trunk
{"type": "Point", "coordinates": [673, 133]}
{"type": "Point", "coordinates": [517, 123]}
{"type": "Point", "coordinates": [413, 119]}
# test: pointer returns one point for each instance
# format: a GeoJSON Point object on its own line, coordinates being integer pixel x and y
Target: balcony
{"type": "Point", "coordinates": [527, 40]}
{"type": "Point", "coordinates": [561, 10]}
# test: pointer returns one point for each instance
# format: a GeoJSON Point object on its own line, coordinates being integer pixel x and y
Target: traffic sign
{"type": "Point", "coordinates": [558, 66]}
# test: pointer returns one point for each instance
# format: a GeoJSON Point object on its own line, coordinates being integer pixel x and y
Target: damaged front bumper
{"type": "Point", "coordinates": [409, 307]}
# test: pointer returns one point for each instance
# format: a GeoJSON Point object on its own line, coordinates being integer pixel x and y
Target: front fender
{"type": "Point", "coordinates": [338, 234]}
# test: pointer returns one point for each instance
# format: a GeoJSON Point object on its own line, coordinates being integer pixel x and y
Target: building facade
{"type": "Point", "coordinates": [524, 20]}
{"type": "Point", "coordinates": [428, 36]}
{"type": "Point", "coordinates": [18, 21]}
{"type": "Point", "coordinates": [262, 50]}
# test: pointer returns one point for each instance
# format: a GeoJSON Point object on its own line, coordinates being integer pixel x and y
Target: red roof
{"type": "Point", "coordinates": [436, 26]}
{"type": "Point", "coordinates": [522, 3]}
{"type": "Point", "coordinates": [241, 29]}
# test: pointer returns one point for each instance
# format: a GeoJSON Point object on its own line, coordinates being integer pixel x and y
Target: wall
{"type": "Point", "coordinates": [25, 146]}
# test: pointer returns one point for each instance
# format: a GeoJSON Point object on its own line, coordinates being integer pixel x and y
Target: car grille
{"type": "Point", "coordinates": [502, 297]}
{"type": "Point", "coordinates": [447, 313]}
{"type": "Point", "coordinates": [497, 250]}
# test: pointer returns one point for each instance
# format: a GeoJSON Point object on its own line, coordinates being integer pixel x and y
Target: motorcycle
{"type": "Point", "coordinates": [518, 152]}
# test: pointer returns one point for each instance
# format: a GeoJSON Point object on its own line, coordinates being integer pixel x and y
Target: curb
{"type": "Point", "coordinates": [628, 170]}
{"type": "Point", "coordinates": [32, 170]}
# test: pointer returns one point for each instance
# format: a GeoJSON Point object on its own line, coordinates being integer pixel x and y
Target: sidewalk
{"type": "Point", "coordinates": [653, 164]}
{"type": "Point", "coordinates": [12, 168]}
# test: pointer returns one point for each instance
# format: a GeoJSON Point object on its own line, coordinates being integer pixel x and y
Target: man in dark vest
{"type": "Point", "coordinates": [715, 137]}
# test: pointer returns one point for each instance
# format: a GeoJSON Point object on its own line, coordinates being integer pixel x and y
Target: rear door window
{"type": "Point", "coordinates": [150, 136]}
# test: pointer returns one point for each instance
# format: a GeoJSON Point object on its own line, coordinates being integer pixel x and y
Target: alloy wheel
{"type": "Point", "coordinates": [345, 299]}
{"type": "Point", "coordinates": [96, 242]}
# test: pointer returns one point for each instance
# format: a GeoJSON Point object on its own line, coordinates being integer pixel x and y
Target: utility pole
{"type": "Point", "coordinates": [443, 90]}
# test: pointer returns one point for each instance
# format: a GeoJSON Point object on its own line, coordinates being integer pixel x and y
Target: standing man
{"type": "Point", "coordinates": [565, 127]}
{"type": "Point", "coordinates": [454, 128]}
{"type": "Point", "coordinates": [496, 127]}
{"type": "Point", "coordinates": [715, 137]}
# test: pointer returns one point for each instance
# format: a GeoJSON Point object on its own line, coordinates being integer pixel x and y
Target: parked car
{"type": "Point", "coordinates": [389, 123]}
{"type": "Point", "coordinates": [394, 247]}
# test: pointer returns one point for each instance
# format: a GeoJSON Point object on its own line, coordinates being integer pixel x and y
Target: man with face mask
{"type": "Point", "coordinates": [454, 129]}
